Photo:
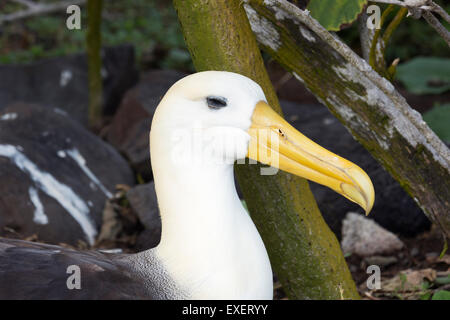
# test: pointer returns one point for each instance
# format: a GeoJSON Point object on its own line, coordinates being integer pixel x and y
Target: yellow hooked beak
{"type": "Point", "coordinates": [276, 143]}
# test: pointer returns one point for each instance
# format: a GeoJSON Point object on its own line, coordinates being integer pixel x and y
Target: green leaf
{"type": "Point", "coordinates": [441, 295]}
{"type": "Point", "coordinates": [425, 75]}
{"type": "Point", "coordinates": [438, 119]}
{"type": "Point", "coordinates": [332, 14]}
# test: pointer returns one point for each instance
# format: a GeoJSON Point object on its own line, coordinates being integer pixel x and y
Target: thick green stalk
{"type": "Point", "coordinates": [401, 13]}
{"type": "Point", "coordinates": [376, 56]}
{"type": "Point", "coordinates": [93, 44]}
{"type": "Point", "coordinates": [304, 253]}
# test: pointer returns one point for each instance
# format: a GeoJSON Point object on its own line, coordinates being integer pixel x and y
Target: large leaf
{"type": "Point", "coordinates": [438, 119]}
{"type": "Point", "coordinates": [332, 14]}
{"type": "Point", "coordinates": [441, 295]}
{"type": "Point", "coordinates": [425, 75]}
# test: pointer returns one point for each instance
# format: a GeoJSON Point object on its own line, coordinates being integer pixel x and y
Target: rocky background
{"type": "Point", "coordinates": [65, 184]}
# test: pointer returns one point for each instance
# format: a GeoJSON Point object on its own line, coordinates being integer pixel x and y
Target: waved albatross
{"type": "Point", "coordinates": [209, 248]}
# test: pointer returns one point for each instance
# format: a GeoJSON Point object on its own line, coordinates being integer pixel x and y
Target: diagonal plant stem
{"type": "Point", "coordinates": [434, 22]}
{"type": "Point", "coordinates": [439, 10]}
{"type": "Point", "coordinates": [390, 72]}
{"type": "Point", "coordinates": [376, 57]}
{"type": "Point", "coordinates": [394, 24]}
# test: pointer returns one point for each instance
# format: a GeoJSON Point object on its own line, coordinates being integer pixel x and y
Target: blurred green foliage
{"type": "Point", "coordinates": [150, 25]}
{"type": "Point", "coordinates": [425, 75]}
{"type": "Point", "coordinates": [441, 295]}
{"type": "Point", "coordinates": [438, 119]}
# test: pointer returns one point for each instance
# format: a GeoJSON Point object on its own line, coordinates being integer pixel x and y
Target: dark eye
{"type": "Point", "coordinates": [216, 102]}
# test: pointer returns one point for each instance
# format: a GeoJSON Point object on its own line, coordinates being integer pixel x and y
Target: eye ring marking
{"type": "Point", "coordinates": [216, 102]}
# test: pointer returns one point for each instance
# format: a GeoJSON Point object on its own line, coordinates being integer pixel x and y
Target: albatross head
{"type": "Point", "coordinates": [217, 116]}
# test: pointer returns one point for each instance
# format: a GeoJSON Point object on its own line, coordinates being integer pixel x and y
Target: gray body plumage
{"type": "Point", "coordinates": [38, 271]}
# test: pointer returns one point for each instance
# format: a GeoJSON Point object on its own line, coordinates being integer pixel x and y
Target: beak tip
{"type": "Point", "coordinates": [370, 203]}
{"type": "Point", "coordinates": [369, 209]}
{"type": "Point", "coordinates": [300, 156]}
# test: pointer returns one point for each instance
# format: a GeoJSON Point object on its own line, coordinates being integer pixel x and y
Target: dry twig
{"type": "Point", "coordinates": [36, 9]}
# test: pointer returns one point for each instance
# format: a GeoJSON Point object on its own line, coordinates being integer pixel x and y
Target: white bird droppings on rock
{"type": "Point", "coordinates": [65, 77]}
{"type": "Point", "coordinates": [78, 158]}
{"type": "Point", "coordinates": [9, 116]}
{"type": "Point", "coordinates": [365, 237]}
{"type": "Point", "coordinates": [39, 215]}
{"type": "Point", "coordinates": [62, 193]}
{"type": "Point", "coordinates": [60, 111]}
{"type": "Point", "coordinates": [61, 154]}
{"type": "Point", "coordinates": [328, 121]}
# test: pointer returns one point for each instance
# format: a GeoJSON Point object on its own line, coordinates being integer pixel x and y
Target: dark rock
{"type": "Point", "coordinates": [130, 127]}
{"type": "Point", "coordinates": [415, 251]}
{"type": "Point", "coordinates": [143, 201]}
{"type": "Point", "coordinates": [393, 209]}
{"type": "Point", "coordinates": [55, 175]}
{"type": "Point", "coordinates": [63, 82]}
{"type": "Point", "coordinates": [147, 239]}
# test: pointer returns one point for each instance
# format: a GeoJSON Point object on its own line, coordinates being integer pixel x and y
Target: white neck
{"type": "Point", "coordinates": [209, 244]}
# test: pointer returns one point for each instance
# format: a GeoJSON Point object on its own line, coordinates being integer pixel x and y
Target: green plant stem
{"type": "Point", "coordinates": [379, 65]}
{"type": "Point", "coordinates": [93, 45]}
{"type": "Point", "coordinates": [394, 24]}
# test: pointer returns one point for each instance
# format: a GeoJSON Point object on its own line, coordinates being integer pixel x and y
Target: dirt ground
{"type": "Point", "coordinates": [413, 273]}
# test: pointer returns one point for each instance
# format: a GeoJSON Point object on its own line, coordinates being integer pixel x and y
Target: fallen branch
{"type": "Point", "coordinates": [366, 103]}
{"type": "Point", "coordinates": [36, 9]}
